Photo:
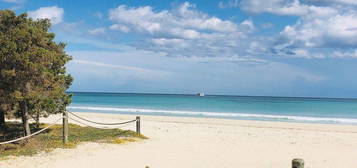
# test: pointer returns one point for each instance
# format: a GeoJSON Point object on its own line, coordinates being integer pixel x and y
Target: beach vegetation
{"type": "Point", "coordinates": [52, 138]}
{"type": "Point", "coordinates": [33, 78]}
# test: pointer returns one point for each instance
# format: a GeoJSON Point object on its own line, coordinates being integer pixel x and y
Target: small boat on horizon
{"type": "Point", "coordinates": [200, 94]}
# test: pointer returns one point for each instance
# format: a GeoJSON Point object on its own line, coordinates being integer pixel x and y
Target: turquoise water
{"type": "Point", "coordinates": [317, 110]}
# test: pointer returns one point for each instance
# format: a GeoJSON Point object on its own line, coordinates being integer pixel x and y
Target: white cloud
{"type": "Point", "coordinates": [284, 7]}
{"type": "Point", "coordinates": [280, 7]}
{"type": "Point", "coordinates": [97, 31]}
{"type": "Point", "coordinates": [232, 59]}
{"type": "Point", "coordinates": [17, 4]}
{"type": "Point", "coordinates": [248, 24]}
{"type": "Point", "coordinates": [322, 25]}
{"type": "Point", "coordinates": [182, 31]}
{"type": "Point", "coordinates": [54, 13]}
{"type": "Point", "coordinates": [185, 17]}
{"type": "Point", "coordinates": [228, 4]}
{"type": "Point", "coordinates": [301, 53]}
{"type": "Point", "coordinates": [346, 2]}
{"type": "Point", "coordinates": [323, 28]}
{"type": "Point", "coordinates": [13, 1]}
{"type": "Point", "coordinates": [354, 2]}
{"type": "Point", "coordinates": [121, 67]}
{"type": "Point", "coordinates": [120, 27]}
{"type": "Point", "coordinates": [345, 54]}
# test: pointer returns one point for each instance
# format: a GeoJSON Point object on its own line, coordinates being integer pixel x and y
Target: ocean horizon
{"type": "Point", "coordinates": [261, 108]}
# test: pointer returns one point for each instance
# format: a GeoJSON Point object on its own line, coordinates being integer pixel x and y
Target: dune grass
{"type": "Point", "coordinates": [52, 138]}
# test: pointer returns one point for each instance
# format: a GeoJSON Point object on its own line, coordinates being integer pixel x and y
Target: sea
{"type": "Point", "coordinates": [262, 108]}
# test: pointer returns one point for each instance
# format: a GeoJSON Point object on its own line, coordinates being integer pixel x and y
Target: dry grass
{"type": "Point", "coordinates": [52, 138]}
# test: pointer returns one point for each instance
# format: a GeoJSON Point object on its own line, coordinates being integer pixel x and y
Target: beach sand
{"type": "Point", "coordinates": [182, 142]}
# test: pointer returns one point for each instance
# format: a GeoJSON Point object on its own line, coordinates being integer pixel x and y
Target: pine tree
{"type": "Point", "coordinates": [33, 78]}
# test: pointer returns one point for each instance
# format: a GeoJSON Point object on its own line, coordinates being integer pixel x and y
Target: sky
{"type": "Point", "coordinates": [300, 48]}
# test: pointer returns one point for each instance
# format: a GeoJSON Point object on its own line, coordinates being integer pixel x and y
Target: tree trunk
{"type": "Point", "coordinates": [2, 119]}
{"type": "Point", "coordinates": [25, 117]}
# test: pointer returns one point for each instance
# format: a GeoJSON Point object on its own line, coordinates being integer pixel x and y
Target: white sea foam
{"type": "Point", "coordinates": [215, 114]}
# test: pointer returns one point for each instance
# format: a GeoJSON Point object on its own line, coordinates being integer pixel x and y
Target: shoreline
{"type": "Point", "coordinates": [207, 142]}
{"type": "Point", "coordinates": [230, 119]}
{"type": "Point", "coordinates": [221, 115]}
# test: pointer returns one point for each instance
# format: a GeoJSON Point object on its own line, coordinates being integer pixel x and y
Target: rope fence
{"type": "Point", "coordinates": [76, 118]}
{"type": "Point", "coordinates": [100, 123]}
{"type": "Point", "coordinates": [103, 127]}
{"type": "Point", "coordinates": [80, 120]}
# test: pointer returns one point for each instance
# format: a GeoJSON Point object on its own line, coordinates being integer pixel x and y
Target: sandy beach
{"type": "Point", "coordinates": [177, 142]}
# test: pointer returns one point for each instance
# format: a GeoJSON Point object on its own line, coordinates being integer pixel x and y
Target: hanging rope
{"type": "Point", "coordinates": [99, 123]}
{"type": "Point", "coordinates": [33, 134]}
{"type": "Point", "coordinates": [79, 122]}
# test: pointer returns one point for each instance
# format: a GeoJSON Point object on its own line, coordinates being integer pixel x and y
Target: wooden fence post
{"type": "Point", "coordinates": [65, 127]}
{"type": "Point", "coordinates": [138, 124]}
{"type": "Point", "coordinates": [298, 163]}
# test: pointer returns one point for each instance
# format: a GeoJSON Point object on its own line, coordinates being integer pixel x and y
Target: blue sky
{"type": "Point", "coordinates": [237, 47]}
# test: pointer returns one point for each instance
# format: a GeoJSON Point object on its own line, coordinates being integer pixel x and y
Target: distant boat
{"type": "Point", "coordinates": [200, 94]}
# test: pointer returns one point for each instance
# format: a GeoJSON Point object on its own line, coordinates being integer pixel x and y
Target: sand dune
{"type": "Point", "coordinates": [177, 142]}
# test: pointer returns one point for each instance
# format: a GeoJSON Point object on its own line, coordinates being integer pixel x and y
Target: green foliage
{"type": "Point", "coordinates": [33, 77]}
{"type": "Point", "coordinates": [52, 138]}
